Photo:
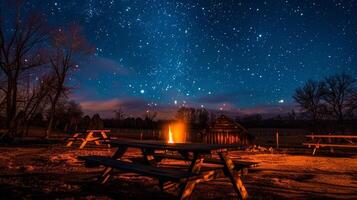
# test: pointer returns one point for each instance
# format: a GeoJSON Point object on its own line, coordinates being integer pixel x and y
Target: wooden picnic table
{"type": "Point", "coordinates": [331, 141]}
{"type": "Point", "coordinates": [195, 154]}
{"type": "Point", "coordinates": [96, 136]}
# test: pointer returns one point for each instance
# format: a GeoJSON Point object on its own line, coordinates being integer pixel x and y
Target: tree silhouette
{"type": "Point", "coordinates": [339, 91]}
{"type": "Point", "coordinates": [187, 115]}
{"type": "Point", "coordinates": [310, 99]}
{"type": "Point", "coordinates": [68, 47]}
{"type": "Point", "coordinates": [96, 123]}
{"type": "Point", "coordinates": [119, 114]}
{"type": "Point", "coordinates": [203, 117]}
{"type": "Point", "coordinates": [21, 49]}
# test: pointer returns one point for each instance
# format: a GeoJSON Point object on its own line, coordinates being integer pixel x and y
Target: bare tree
{"type": "Point", "coordinates": [202, 117]}
{"type": "Point", "coordinates": [187, 115]}
{"type": "Point", "coordinates": [2, 93]}
{"type": "Point", "coordinates": [339, 93]}
{"type": "Point", "coordinates": [352, 102]}
{"type": "Point", "coordinates": [310, 99]}
{"type": "Point", "coordinates": [68, 115]}
{"type": "Point", "coordinates": [21, 37]}
{"type": "Point", "coordinates": [69, 46]}
{"type": "Point", "coordinates": [150, 115]}
{"type": "Point", "coordinates": [119, 114]}
{"type": "Point", "coordinates": [35, 98]}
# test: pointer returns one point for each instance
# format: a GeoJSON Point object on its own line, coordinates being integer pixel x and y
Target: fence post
{"type": "Point", "coordinates": [277, 138]}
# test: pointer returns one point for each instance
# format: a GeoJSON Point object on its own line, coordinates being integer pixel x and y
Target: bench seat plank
{"type": "Point", "coordinates": [238, 163]}
{"type": "Point", "coordinates": [333, 136]}
{"type": "Point", "coordinates": [331, 145]}
{"type": "Point", "coordinates": [160, 173]}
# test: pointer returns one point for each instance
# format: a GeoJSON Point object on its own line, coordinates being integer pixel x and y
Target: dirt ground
{"type": "Point", "coordinates": [51, 171]}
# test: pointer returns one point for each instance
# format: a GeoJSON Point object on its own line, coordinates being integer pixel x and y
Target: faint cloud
{"type": "Point", "coordinates": [97, 66]}
{"type": "Point", "coordinates": [223, 97]}
{"type": "Point", "coordinates": [100, 106]}
{"type": "Point", "coordinates": [132, 107]}
{"type": "Point", "coordinates": [268, 109]}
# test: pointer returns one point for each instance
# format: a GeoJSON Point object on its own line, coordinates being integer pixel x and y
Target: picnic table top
{"type": "Point", "coordinates": [162, 145]}
{"type": "Point", "coordinates": [98, 130]}
{"type": "Point", "coordinates": [332, 136]}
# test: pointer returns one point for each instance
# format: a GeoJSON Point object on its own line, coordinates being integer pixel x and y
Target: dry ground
{"type": "Point", "coordinates": [51, 171]}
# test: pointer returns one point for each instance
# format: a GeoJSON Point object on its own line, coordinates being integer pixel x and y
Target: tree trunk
{"type": "Point", "coordinates": [11, 100]}
{"type": "Point", "coordinates": [50, 123]}
{"type": "Point", "coordinates": [52, 115]}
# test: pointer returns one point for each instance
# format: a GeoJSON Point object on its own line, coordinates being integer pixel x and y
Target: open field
{"type": "Point", "coordinates": [52, 171]}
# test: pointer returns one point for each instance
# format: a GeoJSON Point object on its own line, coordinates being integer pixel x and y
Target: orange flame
{"type": "Point", "coordinates": [176, 133]}
{"type": "Point", "coordinates": [171, 139]}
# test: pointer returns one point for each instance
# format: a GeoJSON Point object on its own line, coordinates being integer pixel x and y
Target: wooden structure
{"type": "Point", "coordinates": [185, 179]}
{"type": "Point", "coordinates": [225, 131]}
{"type": "Point", "coordinates": [96, 136]}
{"type": "Point", "coordinates": [331, 141]}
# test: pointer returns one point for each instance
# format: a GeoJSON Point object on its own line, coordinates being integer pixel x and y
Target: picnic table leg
{"type": "Point", "coordinates": [88, 137]}
{"type": "Point", "coordinates": [331, 148]}
{"type": "Point", "coordinates": [105, 137]}
{"type": "Point", "coordinates": [314, 151]}
{"type": "Point", "coordinates": [186, 189]}
{"type": "Point", "coordinates": [234, 177]}
{"type": "Point", "coordinates": [316, 147]}
{"type": "Point", "coordinates": [149, 156]}
{"type": "Point", "coordinates": [106, 173]}
{"type": "Point", "coordinates": [96, 141]}
{"type": "Point", "coordinates": [71, 142]}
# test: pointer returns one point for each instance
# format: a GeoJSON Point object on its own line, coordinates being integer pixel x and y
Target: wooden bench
{"type": "Point", "coordinates": [331, 142]}
{"type": "Point", "coordinates": [168, 178]}
{"type": "Point", "coordinates": [146, 170]}
{"type": "Point", "coordinates": [238, 164]}
{"type": "Point", "coordinates": [96, 136]}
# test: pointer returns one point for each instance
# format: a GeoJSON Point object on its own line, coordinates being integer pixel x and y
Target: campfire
{"type": "Point", "coordinates": [176, 133]}
{"type": "Point", "coordinates": [171, 137]}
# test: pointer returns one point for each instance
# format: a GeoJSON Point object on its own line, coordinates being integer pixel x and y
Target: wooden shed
{"type": "Point", "coordinates": [226, 131]}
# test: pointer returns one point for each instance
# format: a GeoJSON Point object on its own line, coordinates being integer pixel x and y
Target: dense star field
{"type": "Point", "coordinates": [246, 56]}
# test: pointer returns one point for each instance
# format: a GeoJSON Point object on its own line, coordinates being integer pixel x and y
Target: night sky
{"type": "Point", "coordinates": [237, 56]}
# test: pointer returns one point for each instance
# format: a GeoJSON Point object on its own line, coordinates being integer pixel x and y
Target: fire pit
{"type": "Point", "coordinates": [175, 132]}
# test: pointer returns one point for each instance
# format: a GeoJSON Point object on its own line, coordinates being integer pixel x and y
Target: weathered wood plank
{"type": "Point", "coordinates": [234, 178]}
{"type": "Point", "coordinates": [98, 130]}
{"type": "Point", "coordinates": [332, 136]}
{"type": "Point", "coordinates": [75, 137]}
{"type": "Point", "coordinates": [96, 136]}
{"type": "Point", "coordinates": [331, 145]}
{"type": "Point", "coordinates": [149, 156]}
{"type": "Point", "coordinates": [238, 163]}
{"type": "Point", "coordinates": [107, 171]}
{"type": "Point", "coordinates": [160, 173]}
{"type": "Point", "coordinates": [187, 188]}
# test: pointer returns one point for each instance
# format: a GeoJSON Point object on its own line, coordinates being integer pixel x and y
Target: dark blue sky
{"type": "Point", "coordinates": [229, 54]}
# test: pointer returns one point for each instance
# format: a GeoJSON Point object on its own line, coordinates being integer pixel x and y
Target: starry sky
{"type": "Point", "coordinates": [240, 56]}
